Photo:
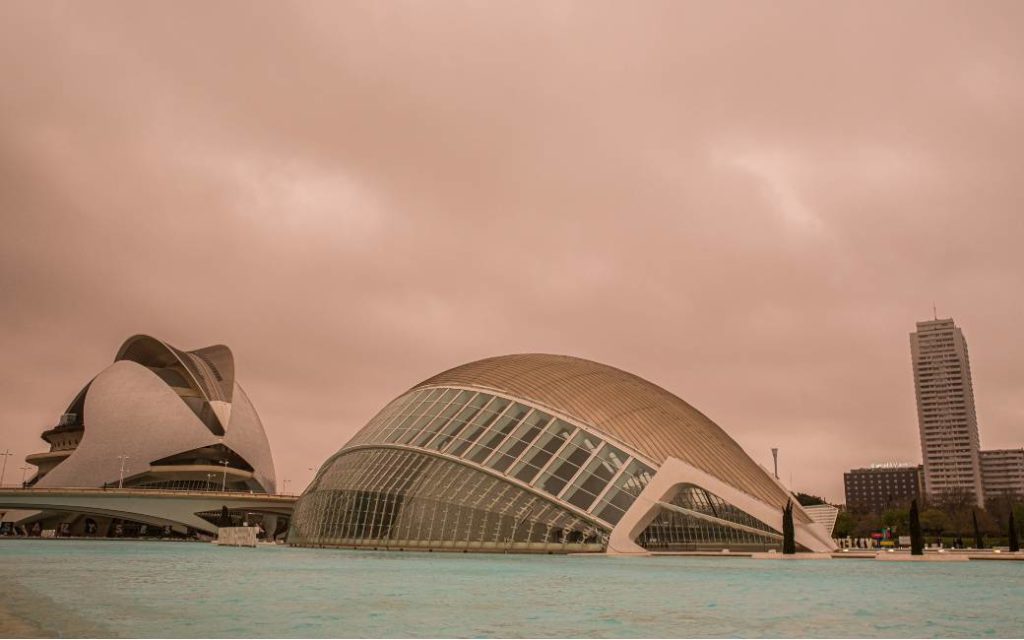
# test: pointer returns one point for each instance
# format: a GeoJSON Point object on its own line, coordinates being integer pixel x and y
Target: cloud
{"type": "Point", "coordinates": [297, 199]}
{"type": "Point", "coordinates": [777, 174]}
{"type": "Point", "coordinates": [747, 205]}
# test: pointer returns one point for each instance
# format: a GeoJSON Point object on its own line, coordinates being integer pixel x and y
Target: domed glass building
{"type": "Point", "coordinates": [544, 453]}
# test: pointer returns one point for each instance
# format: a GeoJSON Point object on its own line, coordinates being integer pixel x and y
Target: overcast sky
{"type": "Point", "coordinates": [748, 204]}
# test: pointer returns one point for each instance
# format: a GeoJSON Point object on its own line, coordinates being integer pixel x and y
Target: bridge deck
{"type": "Point", "coordinates": [149, 506]}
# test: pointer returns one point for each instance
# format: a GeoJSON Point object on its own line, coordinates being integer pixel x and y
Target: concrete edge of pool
{"type": "Point", "coordinates": [883, 555]}
{"type": "Point", "coordinates": [897, 555]}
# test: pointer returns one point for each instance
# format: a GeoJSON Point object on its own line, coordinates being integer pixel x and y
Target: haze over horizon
{"type": "Point", "coordinates": [747, 204]}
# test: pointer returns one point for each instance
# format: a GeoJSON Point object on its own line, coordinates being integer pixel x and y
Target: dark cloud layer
{"type": "Point", "coordinates": [747, 203]}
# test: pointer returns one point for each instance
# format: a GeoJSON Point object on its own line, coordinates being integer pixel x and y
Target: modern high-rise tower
{"type": "Point", "coordinates": [945, 410]}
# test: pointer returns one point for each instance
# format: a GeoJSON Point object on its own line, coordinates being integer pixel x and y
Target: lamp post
{"type": "Point", "coordinates": [224, 479]}
{"type": "Point", "coordinates": [6, 454]}
{"type": "Point", "coordinates": [24, 470]}
{"type": "Point", "coordinates": [284, 483]}
{"type": "Point", "coordinates": [120, 480]}
{"type": "Point", "coordinates": [775, 456]}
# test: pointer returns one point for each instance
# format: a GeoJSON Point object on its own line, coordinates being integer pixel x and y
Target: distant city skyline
{"type": "Point", "coordinates": [750, 205]}
{"type": "Point", "coordinates": [952, 458]}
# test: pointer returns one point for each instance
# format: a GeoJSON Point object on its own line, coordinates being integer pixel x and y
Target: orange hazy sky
{"type": "Point", "coordinates": [749, 204]}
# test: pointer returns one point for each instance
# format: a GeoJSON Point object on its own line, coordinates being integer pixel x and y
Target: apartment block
{"type": "Point", "coordinates": [1002, 472]}
{"type": "Point", "coordinates": [950, 446]}
{"type": "Point", "coordinates": [881, 487]}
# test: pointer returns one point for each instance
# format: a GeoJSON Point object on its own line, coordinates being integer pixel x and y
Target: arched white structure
{"type": "Point", "coordinates": [672, 477]}
{"type": "Point", "coordinates": [545, 453]}
{"type": "Point", "coordinates": [176, 509]}
{"type": "Point", "coordinates": [160, 417]}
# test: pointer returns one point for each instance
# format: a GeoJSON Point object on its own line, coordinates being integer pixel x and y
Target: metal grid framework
{"type": "Point", "coordinates": [400, 498]}
{"type": "Point", "coordinates": [696, 519]}
{"type": "Point", "coordinates": [526, 445]}
{"type": "Point", "coordinates": [625, 408]}
{"type": "Point", "coordinates": [450, 463]}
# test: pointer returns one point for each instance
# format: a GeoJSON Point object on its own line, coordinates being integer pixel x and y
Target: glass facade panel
{"type": "Point", "coordinates": [516, 440]}
{"type": "Point", "coordinates": [625, 490]}
{"type": "Point", "coordinates": [421, 413]}
{"type": "Point", "coordinates": [421, 437]}
{"type": "Point", "coordinates": [468, 437]}
{"type": "Point", "coordinates": [447, 433]}
{"type": "Point", "coordinates": [568, 462]}
{"type": "Point", "coordinates": [541, 452]}
{"type": "Point", "coordinates": [526, 433]}
{"type": "Point", "coordinates": [598, 473]}
{"type": "Point", "coordinates": [675, 531]}
{"type": "Point", "coordinates": [404, 499]}
{"type": "Point", "coordinates": [384, 422]}
{"type": "Point", "coordinates": [497, 432]}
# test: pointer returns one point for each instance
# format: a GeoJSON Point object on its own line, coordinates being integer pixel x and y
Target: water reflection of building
{"type": "Point", "coordinates": [543, 453]}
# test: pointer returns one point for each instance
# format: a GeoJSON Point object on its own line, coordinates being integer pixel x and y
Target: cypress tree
{"type": "Point", "coordinates": [916, 537]}
{"type": "Point", "coordinates": [788, 538]}
{"type": "Point", "coordinates": [979, 543]}
{"type": "Point", "coordinates": [1014, 540]}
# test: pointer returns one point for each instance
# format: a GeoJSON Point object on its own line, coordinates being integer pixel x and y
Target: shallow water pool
{"type": "Point", "coordinates": [162, 589]}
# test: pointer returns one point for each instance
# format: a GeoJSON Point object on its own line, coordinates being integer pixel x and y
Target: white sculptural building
{"type": "Point", "coordinates": [545, 453]}
{"type": "Point", "coordinates": [159, 418]}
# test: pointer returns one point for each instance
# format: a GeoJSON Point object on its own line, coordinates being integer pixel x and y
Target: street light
{"type": "Point", "coordinates": [224, 480]}
{"type": "Point", "coordinates": [120, 480]}
{"type": "Point", "coordinates": [284, 483]}
{"type": "Point", "coordinates": [209, 481]}
{"type": "Point", "coordinates": [24, 470]}
{"type": "Point", "coordinates": [6, 454]}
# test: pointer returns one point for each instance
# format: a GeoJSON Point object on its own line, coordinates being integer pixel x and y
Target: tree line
{"type": "Point", "coordinates": [953, 519]}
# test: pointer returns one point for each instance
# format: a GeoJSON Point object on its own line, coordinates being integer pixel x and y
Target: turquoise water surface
{"type": "Point", "coordinates": [162, 589]}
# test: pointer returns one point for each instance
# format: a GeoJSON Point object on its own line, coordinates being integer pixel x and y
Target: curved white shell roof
{"type": "Point", "coordinates": [129, 410]}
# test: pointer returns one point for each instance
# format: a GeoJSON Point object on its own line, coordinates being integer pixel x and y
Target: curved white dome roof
{"type": "Point", "coordinates": [155, 402]}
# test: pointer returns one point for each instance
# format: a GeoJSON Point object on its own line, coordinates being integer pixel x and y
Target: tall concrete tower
{"type": "Point", "coordinates": [945, 410]}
